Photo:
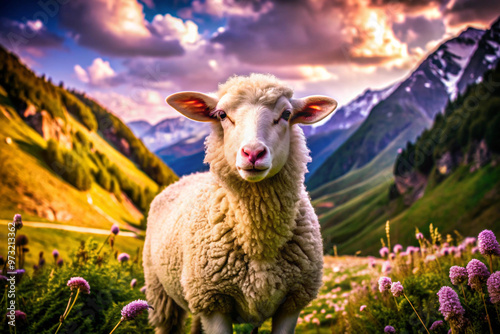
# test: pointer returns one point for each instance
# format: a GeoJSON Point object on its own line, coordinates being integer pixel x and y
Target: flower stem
{"type": "Point", "coordinates": [463, 291]}
{"type": "Point", "coordinates": [74, 301]}
{"type": "Point", "coordinates": [491, 264]}
{"type": "Point", "coordinates": [61, 319]}
{"type": "Point", "coordinates": [103, 244]}
{"type": "Point", "coordinates": [487, 315]}
{"type": "Point", "coordinates": [404, 294]}
{"type": "Point", "coordinates": [118, 324]}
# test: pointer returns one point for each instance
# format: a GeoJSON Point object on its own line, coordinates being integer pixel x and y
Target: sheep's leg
{"type": "Point", "coordinates": [284, 322]}
{"type": "Point", "coordinates": [217, 323]}
{"type": "Point", "coordinates": [196, 325]}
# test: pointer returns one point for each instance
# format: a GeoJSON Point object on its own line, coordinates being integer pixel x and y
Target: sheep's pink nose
{"type": "Point", "coordinates": [254, 154]}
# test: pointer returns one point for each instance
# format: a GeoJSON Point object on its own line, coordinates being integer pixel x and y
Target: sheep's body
{"type": "Point", "coordinates": [217, 244]}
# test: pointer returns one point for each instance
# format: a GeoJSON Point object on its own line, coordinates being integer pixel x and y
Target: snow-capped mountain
{"type": "Point", "coordinates": [139, 127]}
{"type": "Point", "coordinates": [172, 130]}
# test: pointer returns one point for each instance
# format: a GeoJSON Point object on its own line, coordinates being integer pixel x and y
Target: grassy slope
{"type": "Point", "coordinates": [43, 188]}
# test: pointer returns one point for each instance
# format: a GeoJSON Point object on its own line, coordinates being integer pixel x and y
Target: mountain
{"type": "Point", "coordinates": [485, 57]}
{"type": "Point", "coordinates": [139, 127]}
{"type": "Point", "coordinates": [60, 164]}
{"type": "Point", "coordinates": [450, 177]}
{"type": "Point", "coordinates": [172, 130]}
{"type": "Point", "coordinates": [409, 108]}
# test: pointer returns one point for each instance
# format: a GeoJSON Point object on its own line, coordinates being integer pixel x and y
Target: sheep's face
{"type": "Point", "coordinates": [256, 131]}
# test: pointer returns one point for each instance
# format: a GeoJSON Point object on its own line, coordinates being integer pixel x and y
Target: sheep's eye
{"type": "Point", "coordinates": [221, 114]}
{"type": "Point", "coordinates": [286, 114]}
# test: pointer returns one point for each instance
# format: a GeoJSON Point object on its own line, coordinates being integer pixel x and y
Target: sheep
{"type": "Point", "coordinates": [240, 243]}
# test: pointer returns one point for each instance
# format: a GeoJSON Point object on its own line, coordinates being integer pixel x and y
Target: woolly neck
{"type": "Point", "coordinates": [262, 214]}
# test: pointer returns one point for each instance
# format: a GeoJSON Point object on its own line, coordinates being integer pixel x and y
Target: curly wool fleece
{"type": "Point", "coordinates": [216, 243]}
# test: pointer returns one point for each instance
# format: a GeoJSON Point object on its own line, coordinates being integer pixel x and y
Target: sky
{"type": "Point", "coordinates": [131, 54]}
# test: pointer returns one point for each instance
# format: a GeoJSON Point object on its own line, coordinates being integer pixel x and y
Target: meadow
{"type": "Point", "coordinates": [356, 297]}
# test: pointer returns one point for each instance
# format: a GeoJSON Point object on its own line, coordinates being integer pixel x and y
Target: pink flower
{"type": "Point", "coordinates": [384, 251]}
{"type": "Point", "coordinates": [397, 289]}
{"type": "Point", "coordinates": [79, 283]}
{"type": "Point", "coordinates": [133, 309]}
{"type": "Point", "coordinates": [362, 308]}
{"type": "Point", "coordinates": [384, 284]}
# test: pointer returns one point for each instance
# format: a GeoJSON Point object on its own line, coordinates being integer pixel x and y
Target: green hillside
{"type": "Point", "coordinates": [458, 160]}
{"type": "Point", "coordinates": [68, 160]}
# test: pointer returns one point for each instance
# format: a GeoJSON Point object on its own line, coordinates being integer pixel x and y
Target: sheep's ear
{"type": "Point", "coordinates": [194, 105]}
{"type": "Point", "coordinates": [312, 109]}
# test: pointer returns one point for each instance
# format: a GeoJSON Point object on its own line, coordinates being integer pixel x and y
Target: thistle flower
{"type": "Point", "coordinates": [115, 229]}
{"type": "Point", "coordinates": [20, 316]}
{"type": "Point", "coordinates": [79, 283]}
{"type": "Point", "coordinates": [449, 304]}
{"type": "Point", "coordinates": [458, 275]}
{"type": "Point", "coordinates": [60, 262]}
{"type": "Point", "coordinates": [389, 329]}
{"type": "Point", "coordinates": [362, 308]}
{"type": "Point", "coordinates": [55, 254]}
{"type": "Point", "coordinates": [384, 251]}
{"type": "Point", "coordinates": [18, 221]}
{"type": "Point", "coordinates": [487, 243]}
{"type": "Point", "coordinates": [493, 284]}
{"type": "Point", "coordinates": [436, 324]}
{"type": "Point", "coordinates": [21, 240]}
{"type": "Point", "coordinates": [419, 236]}
{"type": "Point", "coordinates": [398, 248]}
{"type": "Point", "coordinates": [133, 283]}
{"type": "Point", "coordinates": [384, 284]}
{"type": "Point", "coordinates": [397, 289]}
{"type": "Point", "coordinates": [478, 274]}
{"type": "Point", "coordinates": [123, 257]}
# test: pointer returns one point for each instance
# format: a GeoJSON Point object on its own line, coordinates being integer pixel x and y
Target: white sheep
{"type": "Point", "coordinates": [240, 243]}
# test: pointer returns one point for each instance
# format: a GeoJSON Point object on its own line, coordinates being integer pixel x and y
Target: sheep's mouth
{"type": "Point", "coordinates": [253, 174]}
{"type": "Point", "coordinates": [254, 170]}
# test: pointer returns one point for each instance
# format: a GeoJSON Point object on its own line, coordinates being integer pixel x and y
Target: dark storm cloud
{"type": "Point", "coordinates": [418, 31]}
{"type": "Point", "coordinates": [116, 27]}
{"type": "Point", "coordinates": [17, 36]}
{"type": "Point", "coordinates": [464, 11]}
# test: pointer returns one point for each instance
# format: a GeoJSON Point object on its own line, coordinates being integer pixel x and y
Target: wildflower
{"type": "Point", "coordinates": [389, 329]}
{"type": "Point", "coordinates": [21, 240]}
{"type": "Point", "coordinates": [478, 274]}
{"type": "Point", "coordinates": [398, 248]}
{"type": "Point", "coordinates": [469, 241]}
{"type": "Point", "coordinates": [20, 316]}
{"type": "Point", "coordinates": [60, 262]}
{"type": "Point", "coordinates": [55, 254]}
{"type": "Point", "coordinates": [386, 267]}
{"type": "Point", "coordinates": [328, 316]}
{"type": "Point", "coordinates": [487, 243]}
{"type": "Point", "coordinates": [143, 289]}
{"type": "Point", "coordinates": [458, 275]}
{"type": "Point", "coordinates": [419, 236]}
{"type": "Point", "coordinates": [493, 284]}
{"type": "Point", "coordinates": [362, 308]}
{"type": "Point", "coordinates": [436, 324]}
{"type": "Point", "coordinates": [450, 307]}
{"type": "Point", "coordinates": [132, 310]}
{"type": "Point", "coordinates": [397, 289]}
{"type": "Point", "coordinates": [316, 321]}
{"type": "Point", "coordinates": [115, 229]}
{"type": "Point", "coordinates": [392, 256]}
{"type": "Point", "coordinates": [123, 257]}
{"type": "Point", "coordinates": [384, 251]}
{"type": "Point", "coordinates": [133, 283]}
{"type": "Point", "coordinates": [79, 283]}
{"type": "Point", "coordinates": [445, 251]}
{"type": "Point", "coordinates": [18, 221]}
{"type": "Point", "coordinates": [384, 284]}
{"type": "Point", "coordinates": [474, 250]}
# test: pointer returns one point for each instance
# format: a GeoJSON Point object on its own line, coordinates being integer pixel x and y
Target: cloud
{"type": "Point", "coordinates": [119, 28]}
{"type": "Point", "coordinates": [418, 31]}
{"type": "Point", "coordinates": [99, 74]}
{"type": "Point", "coordinates": [30, 36]}
{"type": "Point", "coordinates": [463, 12]}
{"type": "Point", "coordinates": [313, 33]}
{"type": "Point", "coordinates": [221, 8]}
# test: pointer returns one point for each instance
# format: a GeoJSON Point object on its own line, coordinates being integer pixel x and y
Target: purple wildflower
{"type": "Point", "coordinates": [133, 309]}
{"type": "Point", "coordinates": [436, 324]}
{"type": "Point", "coordinates": [488, 244]}
{"type": "Point", "coordinates": [493, 284]}
{"type": "Point", "coordinates": [384, 251]}
{"type": "Point", "coordinates": [21, 240]}
{"type": "Point", "coordinates": [55, 254]}
{"type": "Point", "coordinates": [478, 274]}
{"type": "Point", "coordinates": [449, 304]}
{"type": "Point", "coordinates": [398, 248]}
{"type": "Point", "coordinates": [389, 329]}
{"type": "Point", "coordinates": [60, 262]}
{"type": "Point", "coordinates": [123, 257]}
{"type": "Point", "coordinates": [392, 256]}
{"type": "Point", "coordinates": [386, 267]}
{"type": "Point", "coordinates": [79, 283]}
{"type": "Point", "coordinates": [458, 275]}
{"type": "Point", "coordinates": [143, 289]}
{"type": "Point", "coordinates": [397, 289]}
{"type": "Point", "coordinates": [133, 283]}
{"type": "Point", "coordinates": [474, 250]}
{"type": "Point", "coordinates": [18, 221]}
{"type": "Point", "coordinates": [20, 316]}
{"type": "Point", "coordinates": [419, 236]}
{"type": "Point", "coordinates": [115, 229]}
{"type": "Point", "coordinates": [362, 308]}
{"type": "Point", "coordinates": [384, 283]}
{"type": "Point", "coordinates": [469, 241]}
